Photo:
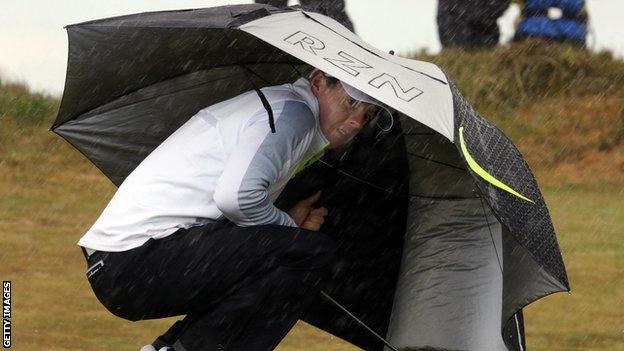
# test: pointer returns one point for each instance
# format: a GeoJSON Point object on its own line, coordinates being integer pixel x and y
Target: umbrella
{"type": "Point", "coordinates": [443, 170]}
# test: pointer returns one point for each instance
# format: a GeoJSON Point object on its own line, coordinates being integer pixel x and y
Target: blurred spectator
{"type": "Point", "coordinates": [332, 8]}
{"type": "Point", "coordinates": [469, 24]}
{"type": "Point", "coordinates": [557, 20]}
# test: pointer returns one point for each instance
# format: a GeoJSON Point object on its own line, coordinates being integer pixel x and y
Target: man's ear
{"type": "Point", "coordinates": [317, 82]}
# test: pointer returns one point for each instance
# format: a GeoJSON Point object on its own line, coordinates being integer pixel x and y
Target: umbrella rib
{"type": "Point", "coordinates": [296, 70]}
{"type": "Point", "coordinates": [498, 260]}
{"type": "Point", "coordinates": [359, 321]}
{"type": "Point", "coordinates": [434, 161]}
{"type": "Point", "coordinates": [249, 70]}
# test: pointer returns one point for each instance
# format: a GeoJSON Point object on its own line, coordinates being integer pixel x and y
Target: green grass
{"type": "Point", "coordinates": [507, 78]}
{"type": "Point", "coordinates": [571, 134]}
{"type": "Point", "coordinates": [589, 221]}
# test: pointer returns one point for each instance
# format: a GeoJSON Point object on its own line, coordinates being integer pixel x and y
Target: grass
{"type": "Point", "coordinates": [590, 222]}
{"type": "Point", "coordinates": [570, 132]}
{"type": "Point", "coordinates": [501, 80]}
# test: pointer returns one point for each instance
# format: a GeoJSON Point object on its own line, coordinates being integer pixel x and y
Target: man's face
{"type": "Point", "coordinates": [341, 116]}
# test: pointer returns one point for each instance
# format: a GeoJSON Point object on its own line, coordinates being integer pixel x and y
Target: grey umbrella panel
{"type": "Point", "coordinates": [133, 80]}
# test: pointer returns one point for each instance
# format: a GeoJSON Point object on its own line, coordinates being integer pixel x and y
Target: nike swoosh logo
{"type": "Point", "coordinates": [483, 173]}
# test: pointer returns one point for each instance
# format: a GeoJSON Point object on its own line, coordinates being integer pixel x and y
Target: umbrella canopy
{"type": "Point", "coordinates": [133, 80]}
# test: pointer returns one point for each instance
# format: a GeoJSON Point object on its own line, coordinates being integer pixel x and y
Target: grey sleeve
{"type": "Point", "coordinates": [258, 161]}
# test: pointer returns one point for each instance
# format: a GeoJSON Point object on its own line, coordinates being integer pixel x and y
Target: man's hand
{"type": "Point", "coordinates": [315, 219]}
{"type": "Point", "coordinates": [306, 216]}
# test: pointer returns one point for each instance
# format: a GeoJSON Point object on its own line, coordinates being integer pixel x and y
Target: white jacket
{"type": "Point", "coordinates": [223, 162]}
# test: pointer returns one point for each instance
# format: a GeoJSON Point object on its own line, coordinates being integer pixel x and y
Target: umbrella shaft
{"type": "Point", "coordinates": [324, 294]}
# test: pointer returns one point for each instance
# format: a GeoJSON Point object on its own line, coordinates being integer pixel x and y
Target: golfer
{"type": "Point", "coordinates": [193, 229]}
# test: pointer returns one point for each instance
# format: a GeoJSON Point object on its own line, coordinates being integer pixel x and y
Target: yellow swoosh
{"type": "Point", "coordinates": [483, 173]}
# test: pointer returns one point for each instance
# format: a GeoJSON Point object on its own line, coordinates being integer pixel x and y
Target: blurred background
{"type": "Point", "coordinates": [33, 43]}
{"type": "Point", "coordinates": [551, 78]}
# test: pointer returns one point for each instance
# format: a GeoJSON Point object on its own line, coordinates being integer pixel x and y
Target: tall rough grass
{"type": "Point", "coordinates": [522, 74]}
{"type": "Point", "coordinates": [25, 108]}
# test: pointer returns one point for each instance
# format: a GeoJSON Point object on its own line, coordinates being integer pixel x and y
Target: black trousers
{"type": "Point", "coordinates": [241, 288]}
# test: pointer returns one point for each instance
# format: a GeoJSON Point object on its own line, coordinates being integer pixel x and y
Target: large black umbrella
{"type": "Point", "coordinates": [133, 80]}
{"type": "Point", "coordinates": [442, 172]}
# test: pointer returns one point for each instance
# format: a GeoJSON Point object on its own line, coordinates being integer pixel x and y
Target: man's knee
{"type": "Point", "coordinates": [324, 248]}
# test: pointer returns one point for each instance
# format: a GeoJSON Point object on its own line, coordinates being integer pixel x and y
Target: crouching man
{"type": "Point", "coordinates": [193, 229]}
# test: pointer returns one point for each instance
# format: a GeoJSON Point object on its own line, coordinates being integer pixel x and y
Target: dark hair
{"type": "Point", "coordinates": [330, 81]}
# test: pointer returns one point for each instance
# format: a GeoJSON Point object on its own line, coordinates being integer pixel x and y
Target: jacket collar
{"type": "Point", "coordinates": [302, 88]}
